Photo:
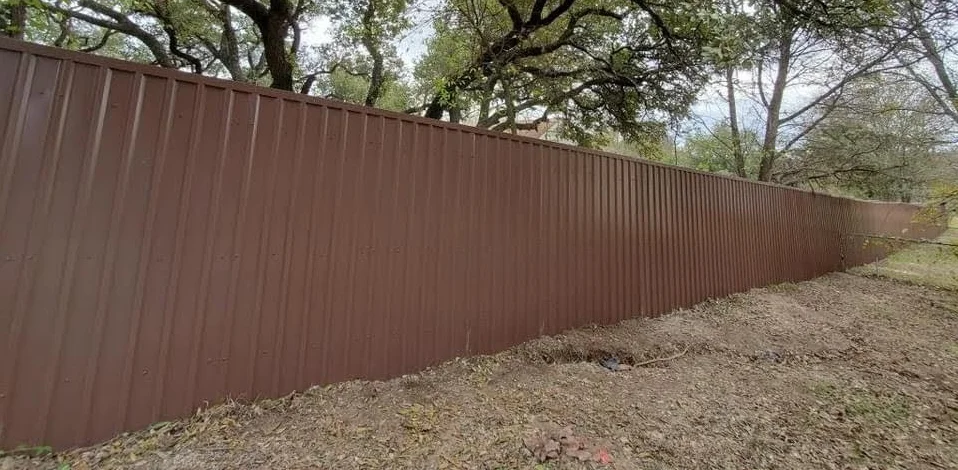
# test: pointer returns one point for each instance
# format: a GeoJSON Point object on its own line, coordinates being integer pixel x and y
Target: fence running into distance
{"type": "Point", "coordinates": [169, 240]}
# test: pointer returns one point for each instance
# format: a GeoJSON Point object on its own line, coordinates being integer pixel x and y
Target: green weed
{"type": "Point", "coordinates": [35, 451]}
{"type": "Point", "coordinates": [863, 404]}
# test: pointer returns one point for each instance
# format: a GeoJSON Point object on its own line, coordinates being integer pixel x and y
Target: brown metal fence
{"type": "Point", "coordinates": [169, 240]}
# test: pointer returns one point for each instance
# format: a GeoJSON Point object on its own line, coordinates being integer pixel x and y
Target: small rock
{"type": "Point", "coordinates": [611, 363]}
{"type": "Point", "coordinates": [582, 455]}
{"type": "Point", "coordinates": [603, 457]}
{"type": "Point", "coordinates": [769, 356]}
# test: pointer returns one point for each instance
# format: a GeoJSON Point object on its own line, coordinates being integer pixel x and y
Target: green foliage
{"type": "Point", "coordinates": [347, 87]}
{"type": "Point", "coordinates": [201, 36]}
{"type": "Point", "coordinates": [863, 404]}
{"type": "Point", "coordinates": [711, 150]}
{"type": "Point", "coordinates": [652, 144]}
{"type": "Point", "coordinates": [351, 88]}
{"type": "Point", "coordinates": [944, 195]}
{"type": "Point", "coordinates": [33, 451]}
{"type": "Point", "coordinates": [734, 34]}
{"type": "Point", "coordinates": [363, 46]}
{"type": "Point", "coordinates": [883, 140]}
{"type": "Point", "coordinates": [599, 66]}
{"type": "Point", "coordinates": [13, 18]}
{"type": "Point", "coordinates": [380, 19]}
{"type": "Point", "coordinates": [448, 56]}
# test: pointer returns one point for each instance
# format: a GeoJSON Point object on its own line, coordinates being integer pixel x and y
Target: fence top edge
{"type": "Point", "coordinates": [156, 71]}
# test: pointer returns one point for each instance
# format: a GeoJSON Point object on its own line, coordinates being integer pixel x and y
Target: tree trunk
{"type": "Point", "coordinates": [273, 23]}
{"type": "Point", "coordinates": [377, 81]}
{"type": "Point", "coordinates": [737, 152]}
{"type": "Point", "coordinates": [376, 77]}
{"type": "Point", "coordinates": [229, 47]}
{"type": "Point", "coordinates": [274, 48]}
{"type": "Point", "coordinates": [933, 55]}
{"type": "Point", "coordinates": [435, 109]}
{"type": "Point", "coordinates": [485, 102]}
{"type": "Point", "coordinates": [18, 19]}
{"type": "Point", "coordinates": [770, 143]}
{"type": "Point", "coordinates": [510, 106]}
{"type": "Point", "coordinates": [455, 114]}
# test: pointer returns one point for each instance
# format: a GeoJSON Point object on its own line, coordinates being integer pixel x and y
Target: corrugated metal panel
{"type": "Point", "coordinates": [169, 240]}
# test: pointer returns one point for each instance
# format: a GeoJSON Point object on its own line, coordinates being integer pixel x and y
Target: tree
{"type": "Point", "coordinates": [202, 36]}
{"type": "Point", "coordinates": [363, 53]}
{"type": "Point", "coordinates": [654, 144]}
{"type": "Point", "coordinates": [594, 64]}
{"type": "Point", "coordinates": [280, 25]}
{"type": "Point", "coordinates": [351, 87]}
{"type": "Point", "coordinates": [820, 54]}
{"type": "Point", "coordinates": [119, 17]}
{"type": "Point", "coordinates": [786, 60]}
{"type": "Point", "coordinates": [246, 39]}
{"type": "Point", "coordinates": [731, 51]}
{"type": "Point", "coordinates": [880, 140]}
{"type": "Point", "coordinates": [13, 18]}
{"type": "Point", "coordinates": [928, 43]}
{"type": "Point", "coordinates": [720, 150]}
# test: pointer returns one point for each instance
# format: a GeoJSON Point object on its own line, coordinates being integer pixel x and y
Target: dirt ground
{"type": "Point", "coordinates": [851, 370]}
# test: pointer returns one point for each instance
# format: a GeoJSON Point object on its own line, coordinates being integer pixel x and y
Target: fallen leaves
{"type": "Point", "coordinates": [556, 443]}
{"type": "Point", "coordinates": [419, 418]}
{"type": "Point", "coordinates": [880, 393]}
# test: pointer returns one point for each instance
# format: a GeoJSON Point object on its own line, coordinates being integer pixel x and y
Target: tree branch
{"type": "Point", "coordinates": [257, 12]}
{"type": "Point", "coordinates": [655, 17]}
{"type": "Point", "coordinates": [195, 63]}
{"type": "Point", "coordinates": [120, 23]}
{"type": "Point", "coordinates": [557, 12]}
{"type": "Point", "coordinates": [811, 126]}
{"type": "Point", "coordinates": [514, 15]}
{"type": "Point", "coordinates": [102, 42]}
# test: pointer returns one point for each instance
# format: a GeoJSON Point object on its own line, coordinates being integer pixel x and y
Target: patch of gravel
{"type": "Point", "coordinates": [844, 371]}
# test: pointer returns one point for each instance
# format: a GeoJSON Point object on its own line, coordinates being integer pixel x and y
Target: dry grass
{"type": "Point", "coordinates": [925, 264]}
{"type": "Point", "coordinates": [845, 371]}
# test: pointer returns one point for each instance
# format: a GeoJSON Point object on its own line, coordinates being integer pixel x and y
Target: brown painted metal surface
{"type": "Point", "coordinates": [168, 240]}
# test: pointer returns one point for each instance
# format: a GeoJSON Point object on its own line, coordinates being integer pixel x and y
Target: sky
{"type": "Point", "coordinates": [711, 108]}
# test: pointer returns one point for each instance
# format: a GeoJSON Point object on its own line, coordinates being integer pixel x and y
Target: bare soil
{"type": "Point", "coordinates": [851, 370]}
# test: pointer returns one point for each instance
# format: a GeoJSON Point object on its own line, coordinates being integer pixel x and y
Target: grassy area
{"type": "Point", "coordinates": [922, 263]}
